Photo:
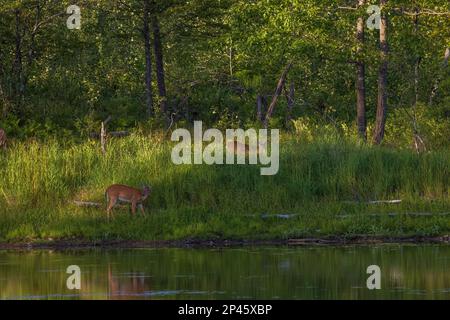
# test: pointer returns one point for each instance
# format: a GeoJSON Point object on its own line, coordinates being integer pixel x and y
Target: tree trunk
{"type": "Point", "coordinates": [290, 96]}
{"type": "Point", "coordinates": [416, 75]}
{"type": "Point", "coordinates": [18, 63]}
{"type": "Point", "coordinates": [418, 59]}
{"type": "Point", "coordinates": [418, 142]}
{"type": "Point", "coordinates": [160, 75]}
{"type": "Point", "coordinates": [148, 59]}
{"type": "Point", "coordinates": [231, 56]}
{"type": "Point", "coordinates": [103, 135]}
{"type": "Point", "coordinates": [103, 138]}
{"type": "Point", "coordinates": [360, 80]}
{"type": "Point", "coordinates": [382, 80]}
{"type": "Point", "coordinates": [439, 79]}
{"type": "Point", "coordinates": [280, 86]}
{"type": "Point", "coordinates": [259, 106]}
{"type": "Point", "coordinates": [3, 97]}
{"type": "Point", "coordinates": [32, 49]}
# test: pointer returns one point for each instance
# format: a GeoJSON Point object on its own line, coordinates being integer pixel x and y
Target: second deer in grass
{"type": "Point", "coordinates": [237, 147]}
{"type": "Point", "coordinates": [122, 193]}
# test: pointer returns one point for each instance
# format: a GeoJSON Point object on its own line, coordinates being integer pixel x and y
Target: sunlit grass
{"type": "Point", "coordinates": [321, 184]}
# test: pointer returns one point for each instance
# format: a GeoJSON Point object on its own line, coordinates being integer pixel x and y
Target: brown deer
{"type": "Point", "coordinates": [237, 147]}
{"type": "Point", "coordinates": [122, 193]}
{"type": "Point", "coordinates": [3, 139]}
{"type": "Point", "coordinates": [136, 284]}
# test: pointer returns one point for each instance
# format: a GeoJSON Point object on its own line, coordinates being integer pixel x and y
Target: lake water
{"type": "Point", "coordinates": [407, 272]}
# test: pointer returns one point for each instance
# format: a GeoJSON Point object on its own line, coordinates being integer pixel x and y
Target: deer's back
{"type": "Point", "coordinates": [237, 147]}
{"type": "Point", "coordinates": [123, 192]}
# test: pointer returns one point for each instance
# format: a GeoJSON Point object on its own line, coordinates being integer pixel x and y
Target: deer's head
{"type": "Point", "coordinates": [146, 191]}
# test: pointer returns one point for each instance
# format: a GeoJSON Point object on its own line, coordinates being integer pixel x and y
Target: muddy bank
{"type": "Point", "coordinates": [221, 243]}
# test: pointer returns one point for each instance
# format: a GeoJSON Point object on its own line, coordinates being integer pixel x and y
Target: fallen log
{"type": "Point", "coordinates": [87, 204]}
{"type": "Point", "coordinates": [267, 216]}
{"type": "Point", "coordinates": [396, 214]}
{"type": "Point", "coordinates": [385, 202]}
{"type": "Point", "coordinates": [95, 204]}
{"type": "Point", "coordinates": [118, 134]}
{"type": "Point", "coordinates": [376, 202]}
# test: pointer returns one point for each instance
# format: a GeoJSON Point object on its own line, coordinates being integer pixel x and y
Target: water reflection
{"type": "Point", "coordinates": [408, 272]}
{"type": "Point", "coordinates": [127, 284]}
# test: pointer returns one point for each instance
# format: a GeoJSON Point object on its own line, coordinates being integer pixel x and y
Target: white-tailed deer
{"type": "Point", "coordinates": [122, 193]}
{"type": "Point", "coordinates": [3, 139]}
{"type": "Point", "coordinates": [237, 147]}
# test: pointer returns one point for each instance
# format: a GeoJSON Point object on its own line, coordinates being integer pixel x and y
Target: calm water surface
{"type": "Point", "coordinates": [407, 272]}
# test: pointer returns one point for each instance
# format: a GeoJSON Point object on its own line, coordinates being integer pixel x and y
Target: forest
{"type": "Point", "coordinates": [360, 90]}
{"type": "Point", "coordinates": [147, 62]}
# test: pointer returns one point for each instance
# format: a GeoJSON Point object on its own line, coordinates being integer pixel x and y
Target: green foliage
{"type": "Point", "coordinates": [434, 132]}
{"type": "Point", "coordinates": [219, 56]}
{"type": "Point", "coordinates": [399, 129]}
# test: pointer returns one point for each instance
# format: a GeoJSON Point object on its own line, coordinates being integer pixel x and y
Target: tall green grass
{"type": "Point", "coordinates": [318, 182]}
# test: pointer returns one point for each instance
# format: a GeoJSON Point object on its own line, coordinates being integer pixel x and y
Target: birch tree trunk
{"type": "Point", "coordinates": [148, 59]}
{"type": "Point", "coordinates": [159, 61]}
{"type": "Point", "coordinates": [18, 62]}
{"type": "Point", "coordinates": [259, 106]}
{"type": "Point", "coordinates": [439, 79]}
{"type": "Point", "coordinates": [360, 80]}
{"type": "Point", "coordinates": [382, 79]}
{"type": "Point", "coordinates": [290, 96]}
{"type": "Point", "coordinates": [3, 97]}
{"type": "Point", "coordinates": [278, 91]}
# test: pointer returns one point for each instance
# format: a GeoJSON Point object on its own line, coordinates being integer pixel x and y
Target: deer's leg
{"type": "Point", "coordinates": [133, 208]}
{"type": "Point", "coordinates": [141, 206]}
{"type": "Point", "coordinates": [112, 203]}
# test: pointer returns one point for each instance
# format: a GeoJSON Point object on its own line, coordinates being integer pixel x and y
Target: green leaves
{"type": "Point", "coordinates": [219, 56]}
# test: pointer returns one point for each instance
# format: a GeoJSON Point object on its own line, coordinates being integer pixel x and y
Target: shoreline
{"type": "Point", "coordinates": [219, 243]}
